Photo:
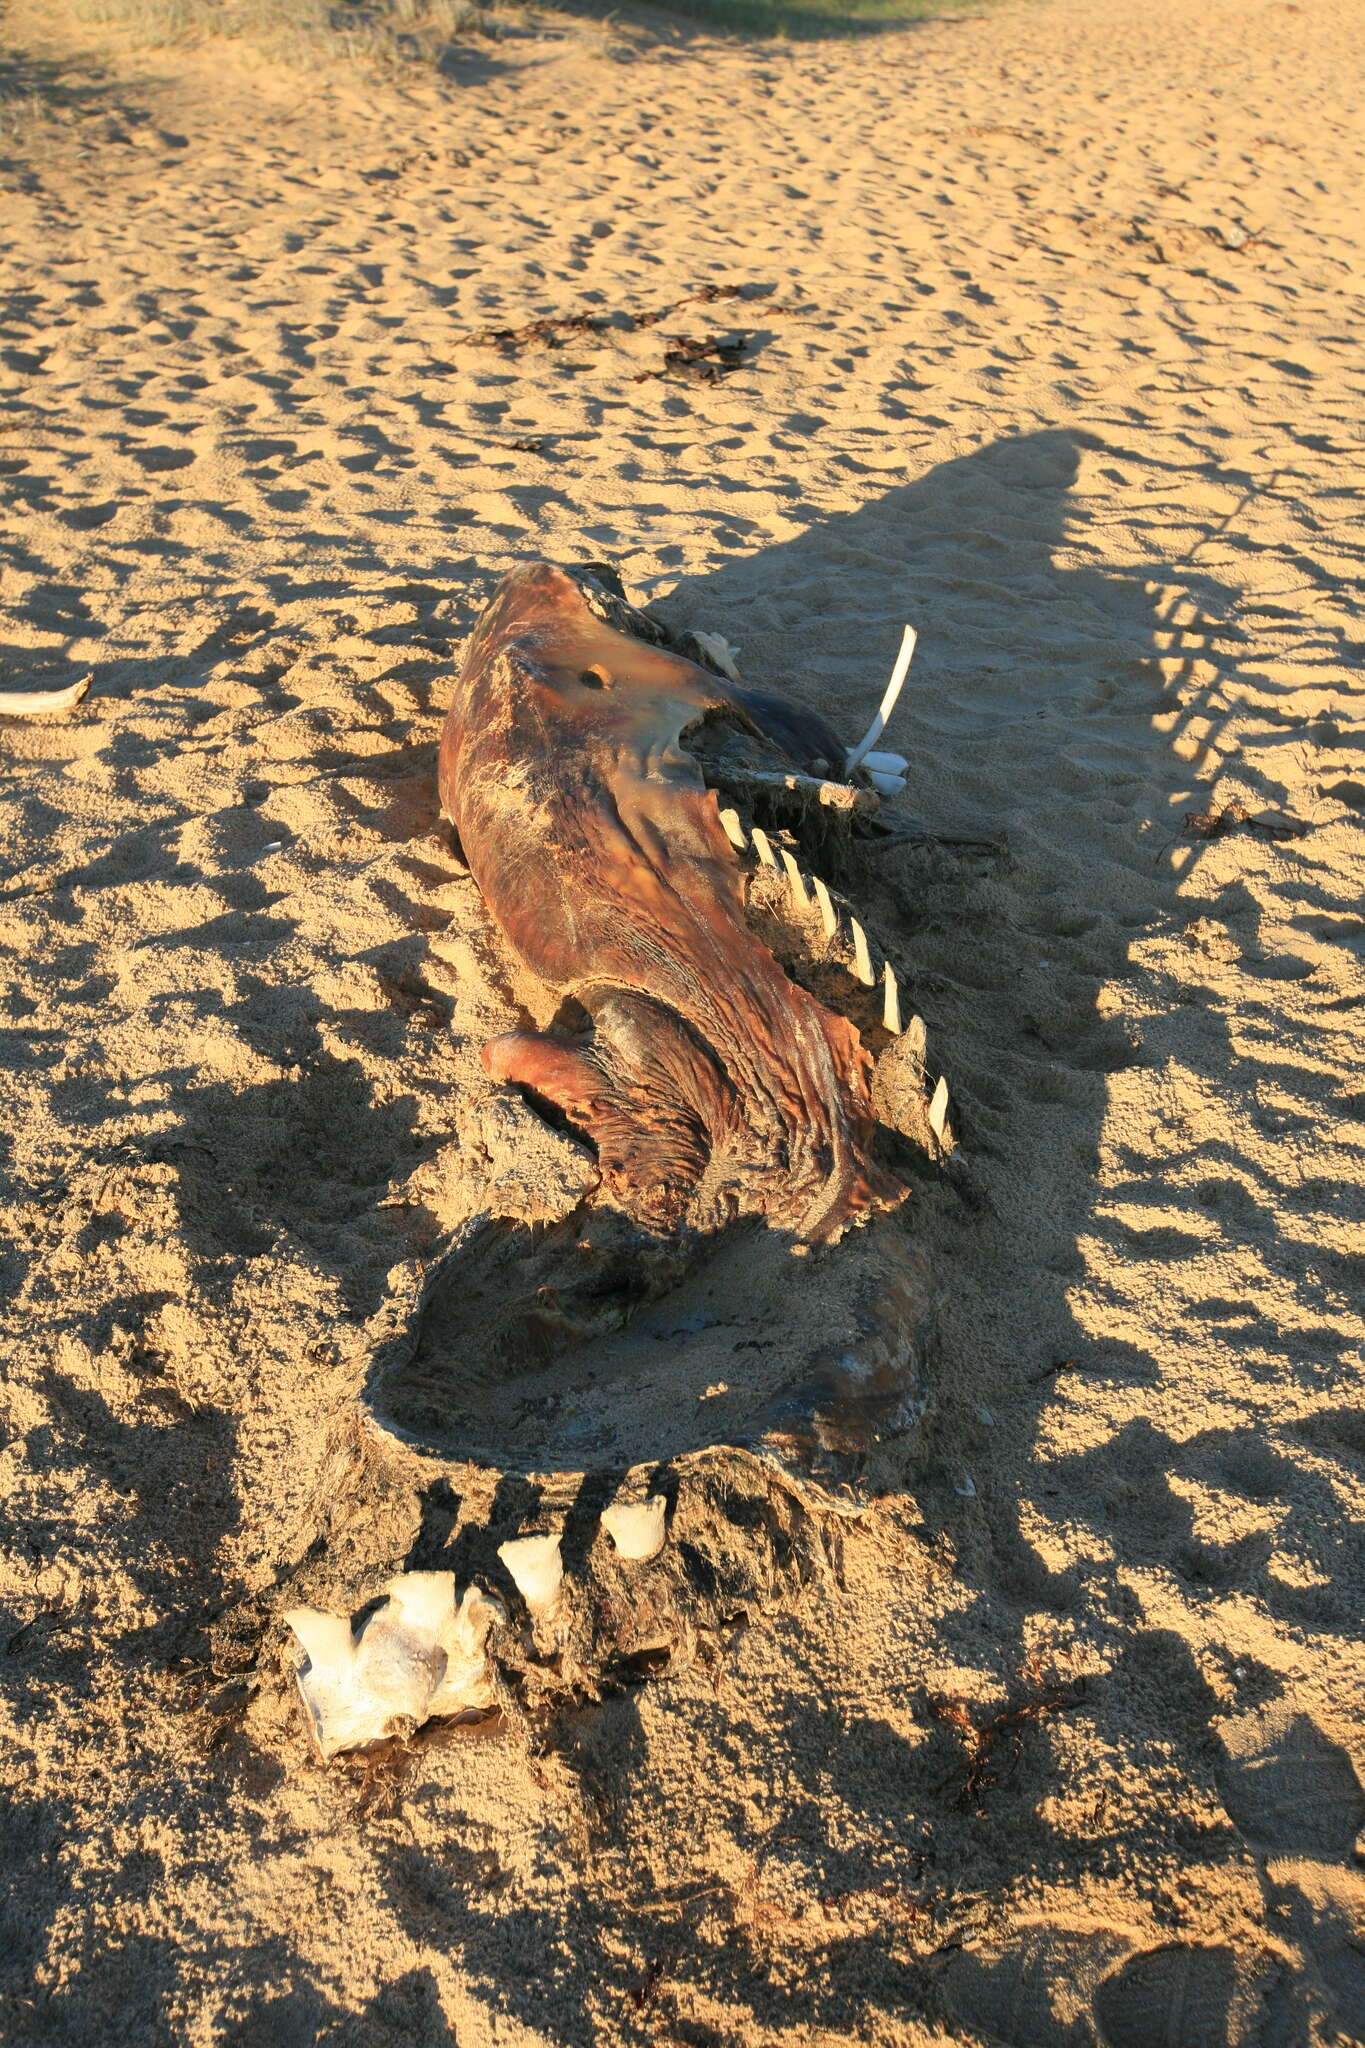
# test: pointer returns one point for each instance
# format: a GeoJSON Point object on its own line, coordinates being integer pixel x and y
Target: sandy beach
{"type": "Point", "coordinates": [1053, 345]}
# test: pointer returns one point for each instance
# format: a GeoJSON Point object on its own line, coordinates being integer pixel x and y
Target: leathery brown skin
{"type": "Point", "coordinates": [710, 1084]}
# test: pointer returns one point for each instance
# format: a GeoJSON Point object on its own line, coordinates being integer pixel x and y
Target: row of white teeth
{"type": "Point", "coordinates": [422, 1655]}
{"type": "Point", "coordinates": [807, 892]}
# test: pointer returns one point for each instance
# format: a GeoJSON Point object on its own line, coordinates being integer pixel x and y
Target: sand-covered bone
{"type": "Point", "coordinates": [417, 1656]}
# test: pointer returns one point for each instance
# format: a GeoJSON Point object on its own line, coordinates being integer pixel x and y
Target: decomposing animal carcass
{"type": "Point", "coordinates": [691, 1315]}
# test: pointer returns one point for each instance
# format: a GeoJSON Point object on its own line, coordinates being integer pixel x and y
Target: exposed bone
{"type": "Point", "coordinates": [891, 1003]}
{"type": "Point", "coordinates": [829, 916]}
{"type": "Point", "coordinates": [885, 764]}
{"type": "Point", "coordinates": [938, 1108]}
{"type": "Point", "coordinates": [763, 847]}
{"type": "Point", "coordinates": [536, 1569]}
{"type": "Point", "coordinates": [888, 703]}
{"type": "Point", "coordinates": [719, 650]}
{"type": "Point", "coordinates": [862, 958]}
{"type": "Point", "coordinates": [637, 1527]}
{"type": "Point", "coordinates": [796, 881]}
{"type": "Point", "coordinates": [415, 1656]}
{"type": "Point", "coordinates": [837, 796]}
{"type": "Point", "coordinates": [886, 785]}
{"type": "Point", "coordinates": [917, 1039]}
{"type": "Point", "coordinates": [34, 703]}
{"type": "Point", "coordinates": [733, 830]}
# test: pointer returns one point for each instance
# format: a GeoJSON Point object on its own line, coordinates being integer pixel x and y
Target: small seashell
{"type": "Point", "coordinates": [637, 1527]}
{"type": "Point", "coordinates": [536, 1568]}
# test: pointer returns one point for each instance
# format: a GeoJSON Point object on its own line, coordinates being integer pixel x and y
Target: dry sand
{"type": "Point", "coordinates": [1073, 382]}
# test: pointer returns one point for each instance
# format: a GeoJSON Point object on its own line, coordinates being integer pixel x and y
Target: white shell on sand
{"type": "Point", "coordinates": [536, 1568]}
{"type": "Point", "coordinates": [637, 1528]}
{"type": "Point", "coordinates": [416, 1656]}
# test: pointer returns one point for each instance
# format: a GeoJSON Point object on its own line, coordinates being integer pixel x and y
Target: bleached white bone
{"type": "Point", "coordinates": [763, 847]}
{"type": "Point", "coordinates": [721, 652]}
{"type": "Point", "coordinates": [888, 704]}
{"type": "Point", "coordinates": [415, 1656]}
{"type": "Point", "coordinates": [33, 703]}
{"type": "Point", "coordinates": [917, 1039]}
{"type": "Point", "coordinates": [536, 1568]}
{"type": "Point", "coordinates": [862, 958]}
{"type": "Point", "coordinates": [829, 916]}
{"type": "Point", "coordinates": [891, 999]}
{"type": "Point", "coordinates": [733, 830]}
{"type": "Point", "coordinates": [885, 785]}
{"type": "Point", "coordinates": [938, 1108]}
{"type": "Point", "coordinates": [637, 1527]}
{"type": "Point", "coordinates": [796, 881]}
{"type": "Point", "coordinates": [886, 764]}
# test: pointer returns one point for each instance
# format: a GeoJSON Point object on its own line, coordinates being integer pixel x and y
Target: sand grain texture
{"type": "Point", "coordinates": [1074, 381]}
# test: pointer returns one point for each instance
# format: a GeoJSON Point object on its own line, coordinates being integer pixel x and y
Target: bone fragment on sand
{"type": "Point", "coordinates": [888, 703]}
{"type": "Point", "coordinates": [35, 703]}
{"type": "Point", "coordinates": [416, 1656]}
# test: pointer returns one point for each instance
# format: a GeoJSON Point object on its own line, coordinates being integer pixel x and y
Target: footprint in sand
{"type": "Point", "coordinates": [1288, 1788]}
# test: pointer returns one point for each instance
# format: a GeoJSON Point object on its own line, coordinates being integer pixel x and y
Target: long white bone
{"type": "Point", "coordinates": [891, 999]}
{"type": "Point", "coordinates": [829, 916]}
{"type": "Point", "coordinates": [888, 704]}
{"type": "Point", "coordinates": [862, 958]}
{"type": "Point", "coordinates": [33, 703]}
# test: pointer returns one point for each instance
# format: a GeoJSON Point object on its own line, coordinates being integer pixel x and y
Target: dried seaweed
{"type": "Point", "coordinates": [702, 362]}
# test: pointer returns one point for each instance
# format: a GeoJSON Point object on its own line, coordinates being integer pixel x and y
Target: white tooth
{"type": "Point", "coordinates": [862, 959]}
{"type": "Point", "coordinates": [891, 1003]}
{"type": "Point", "coordinates": [938, 1108]}
{"type": "Point", "coordinates": [796, 881]}
{"type": "Point", "coordinates": [637, 1527]}
{"type": "Point", "coordinates": [917, 1039]}
{"type": "Point", "coordinates": [763, 848]}
{"type": "Point", "coordinates": [828, 914]}
{"type": "Point", "coordinates": [734, 831]}
{"type": "Point", "coordinates": [536, 1568]}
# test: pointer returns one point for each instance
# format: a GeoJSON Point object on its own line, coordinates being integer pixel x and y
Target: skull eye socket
{"type": "Point", "coordinates": [593, 678]}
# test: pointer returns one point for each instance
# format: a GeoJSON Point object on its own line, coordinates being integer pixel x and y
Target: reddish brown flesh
{"type": "Point", "coordinates": [711, 1085]}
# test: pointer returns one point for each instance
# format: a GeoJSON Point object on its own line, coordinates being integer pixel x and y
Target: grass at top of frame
{"type": "Point", "coordinates": [423, 31]}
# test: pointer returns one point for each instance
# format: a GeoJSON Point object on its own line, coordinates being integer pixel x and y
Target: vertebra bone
{"type": "Point", "coordinates": [637, 1527]}
{"type": "Point", "coordinates": [536, 1568]}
